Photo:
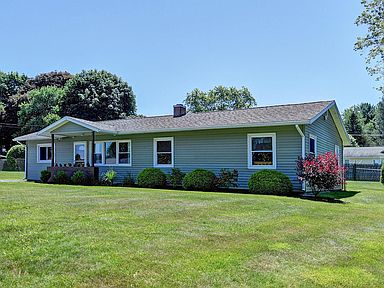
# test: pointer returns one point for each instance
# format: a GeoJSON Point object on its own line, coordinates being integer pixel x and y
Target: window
{"type": "Point", "coordinates": [79, 152]}
{"type": "Point", "coordinates": [124, 156]}
{"type": "Point", "coordinates": [110, 153]}
{"type": "Point", "coordinates": [113, 153]}
{"type": "Point", "coordinates": [377, 162]}
{"type": "Point", "coordinates": [262, 151]}
{"type": "Point", "coordinates": [313, 145]}
{"type": "Point", "coordinates": [163, 152]}
{"type": "Point", "coordinates": [99, 159]}
{"type": "Point", "coordinates": [337, 153]}
{"type": "Point", "coordinates": [44, 153]}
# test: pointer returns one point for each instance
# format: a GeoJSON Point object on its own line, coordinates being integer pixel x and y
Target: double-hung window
{"type": "Point", "coordinates": [262, 151]}
{"type": "Point", "coordinates": [163, 152]}
{"type": "Point", "coordinates": [313, 145]}
{"type": "Point", "coordinates": [44, 153]}
{"type": "Point", "coordinates": [113, 153]}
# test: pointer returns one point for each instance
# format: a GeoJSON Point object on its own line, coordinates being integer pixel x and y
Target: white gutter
{"type": "Point", "coordinates": [302, 147]}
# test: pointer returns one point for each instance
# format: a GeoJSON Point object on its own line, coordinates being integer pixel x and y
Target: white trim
{"type": "Point", "coordinates": [338, 155]}
{"type": "Point", "coordinates": [67, 119]}
{"type": "Point", "coordinates": [155, 164]}
{"type": "Point", "coordinates": [118, 152]}
{"type": "Point", "coordinates": [249, 150]}
{"type": "Point", "coordinates": [49, 145]}
{"type": "Point", "coordinates": [85, 151]}
{"type": "Point", "coordinates": [314, 137]}
{"type": "Point", "coordinates": [302, 149]}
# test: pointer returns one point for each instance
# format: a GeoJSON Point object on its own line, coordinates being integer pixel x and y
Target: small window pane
{"type": "Point", "coordinates": [79, 153]}
{"type": "Point", "coordinates": [98, 153]}
{"type": "Point", "coordinates": [261, 143]}
{"type": "Point", "coordinates": [164, 146]}
{"type": "Point", "coordinates": [43, 153]}
{"type": "Point", "coordinates": [262, 158]}
{"type": "Point", "coordinates": [124, 147]}
{"type": "Point", "coordinates": [124, 158]}
{"type": "Point", "coordinates": [164, 158]}
{"type": "Point", "coordinates": [312, 146]}
{"type": "Point", "coordinates": [110, 152]}
{"type": "Point", "coordinates": [49, 153]}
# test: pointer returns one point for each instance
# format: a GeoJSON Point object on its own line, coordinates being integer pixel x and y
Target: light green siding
{"type": "Point", "coordinates": [70, 128]}
{"type": "Point", "coordinates": [209, 149]}
{"type": "Point", "coordinates": [325, 130]}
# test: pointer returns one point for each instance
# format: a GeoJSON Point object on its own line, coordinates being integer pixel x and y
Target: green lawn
{"type": "Point", "coordinates": [11, 175]}
{"type": "Point", "coordinates": [72, 236]}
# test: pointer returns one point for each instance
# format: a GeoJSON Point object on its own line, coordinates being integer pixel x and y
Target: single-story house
{"type": "Point", "coordinates": [364, 155]}
{"type": "Point", "coordinates": [270, 137]}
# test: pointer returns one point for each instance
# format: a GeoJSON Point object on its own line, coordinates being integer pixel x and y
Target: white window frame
{"type": "Point", "coordinates": [155, 140]}
{"type": "Point", "coordinates": [102, 142]}
{"type": "Point", "coordinates": [314, 137]}
{"type": "Point", "coordinates": [85, 151]}
{"type": "Point", "coordinates": [118, 152]}
{"type": "Point", "coordinates": [274, 156]}
{"type": "Point", "coordinates": [337, 153]}
{"type": "Point", "coordinates": [49, 145]}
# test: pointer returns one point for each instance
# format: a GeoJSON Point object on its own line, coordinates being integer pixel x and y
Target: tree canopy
{"type": "Point", "coordinates": [97, 95]}
{"type": "Point", "coordinates": [372, 44]}
{"type": "Point", "coordinates": [219, 98]}
{"type": "Point", "coordinates": [40, 110]}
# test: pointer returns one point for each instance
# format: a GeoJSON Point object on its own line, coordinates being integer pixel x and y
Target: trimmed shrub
{"type": "Point", "coordinates": [78, 178]}
{"type": "Point", "coordinates": [201, 180]}
{"type": "Point", "coordinates": [382, 174]}
{"type": "Point", "coordinates": [61, 177]}
{"type": "Point", "coordinates": [151, 178]}
{"type": "Point", "coordinates": [44, 176]}
{"type": "Point", "coordinates": [270, 182]}
{"type": "Point", "coordinates": [10, 164]}
{"type": "Point", "coordinates": [228, 178]}
{"type": "Point", "coordinates": [129, 181]}
{"type": "Point", "coordinates": [16, 151]}
{"type": "Point", "coordinates": [108, 177]}
{"type": "Point", "coordinates": [175, 179]}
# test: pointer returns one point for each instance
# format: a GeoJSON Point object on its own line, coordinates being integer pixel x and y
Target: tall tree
{"type": "Point", "coordinates": [367, 112]}
{"type": "Point", "coordinates": [40, 110]}
{"type": "Point", "coordinates": [10, 83]}
{"type": "Point", "coordinates": [379, 120]}
{"type": "Point", "coordinates": [219, 98]}
{"type": "Point", "coordinates": [373, 42]}
{"type": "Point", "coordinates": [353, 125]}
{"type": "Point", "coordinates": [97, 95]}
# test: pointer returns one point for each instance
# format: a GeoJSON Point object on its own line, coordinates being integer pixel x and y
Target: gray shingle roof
{"type": "Point", "coordinates": [362, 152]}
{"type": "Point", "coordinates": [289, 114]}
{"type": "Point", "coordinates": [261, 116]}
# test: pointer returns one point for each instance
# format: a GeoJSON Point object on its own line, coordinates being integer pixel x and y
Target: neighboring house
{"type": "Point", "coordinates": [363, 155]}
{"type": "Point", "coordinates": [248, 140]}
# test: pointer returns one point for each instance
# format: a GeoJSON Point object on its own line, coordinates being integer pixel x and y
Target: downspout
{"type": "Point", "coordinates": [302, 147]}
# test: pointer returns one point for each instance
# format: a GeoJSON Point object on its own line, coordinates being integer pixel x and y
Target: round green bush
{"type": "Point", "coordinates": [151, 178]}
{"type": "Point", "coordinates": [270, 182]}
{"type": "Point", "coordinates": [200, 179]}
{"type": "Point", "coordinates": [61, 177]}
{"type": "Point", "coordinates": [16, 151]}
{"type": "Point", "coordinates": [78, 178]}
{"type": "Point", "coordinates": [44, 176]}
{"type": "Point", "coordinates": [10, 165]}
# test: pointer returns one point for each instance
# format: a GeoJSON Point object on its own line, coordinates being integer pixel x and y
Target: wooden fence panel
{"type": "Point", "coordinates": [363, 172]}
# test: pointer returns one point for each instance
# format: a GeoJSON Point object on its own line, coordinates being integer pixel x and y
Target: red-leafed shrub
{"type": "Point", "coordinates": [322, 173]}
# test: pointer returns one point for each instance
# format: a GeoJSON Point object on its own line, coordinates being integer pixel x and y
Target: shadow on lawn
{"type": "Point", "coordinates": [340, 194]}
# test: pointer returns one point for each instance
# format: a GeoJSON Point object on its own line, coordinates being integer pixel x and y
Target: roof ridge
{"type": "Point", "coordinates": [267, 106]}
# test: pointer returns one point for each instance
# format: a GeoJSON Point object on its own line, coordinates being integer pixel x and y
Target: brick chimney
{"type": "Point", "coordinates": [179, 110]}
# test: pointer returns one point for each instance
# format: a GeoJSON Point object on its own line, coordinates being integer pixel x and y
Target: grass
{"type": "Point", "coordinates": [11, 175]}
{"type": "Point", "coordinates": [73, 236]}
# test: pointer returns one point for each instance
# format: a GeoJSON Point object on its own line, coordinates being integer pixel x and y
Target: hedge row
{"type": "Point", "coordinates": [262, 182]}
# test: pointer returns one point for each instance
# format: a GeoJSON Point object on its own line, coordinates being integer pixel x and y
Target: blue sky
{"type": "Point", "coordinates": [283, 51]}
